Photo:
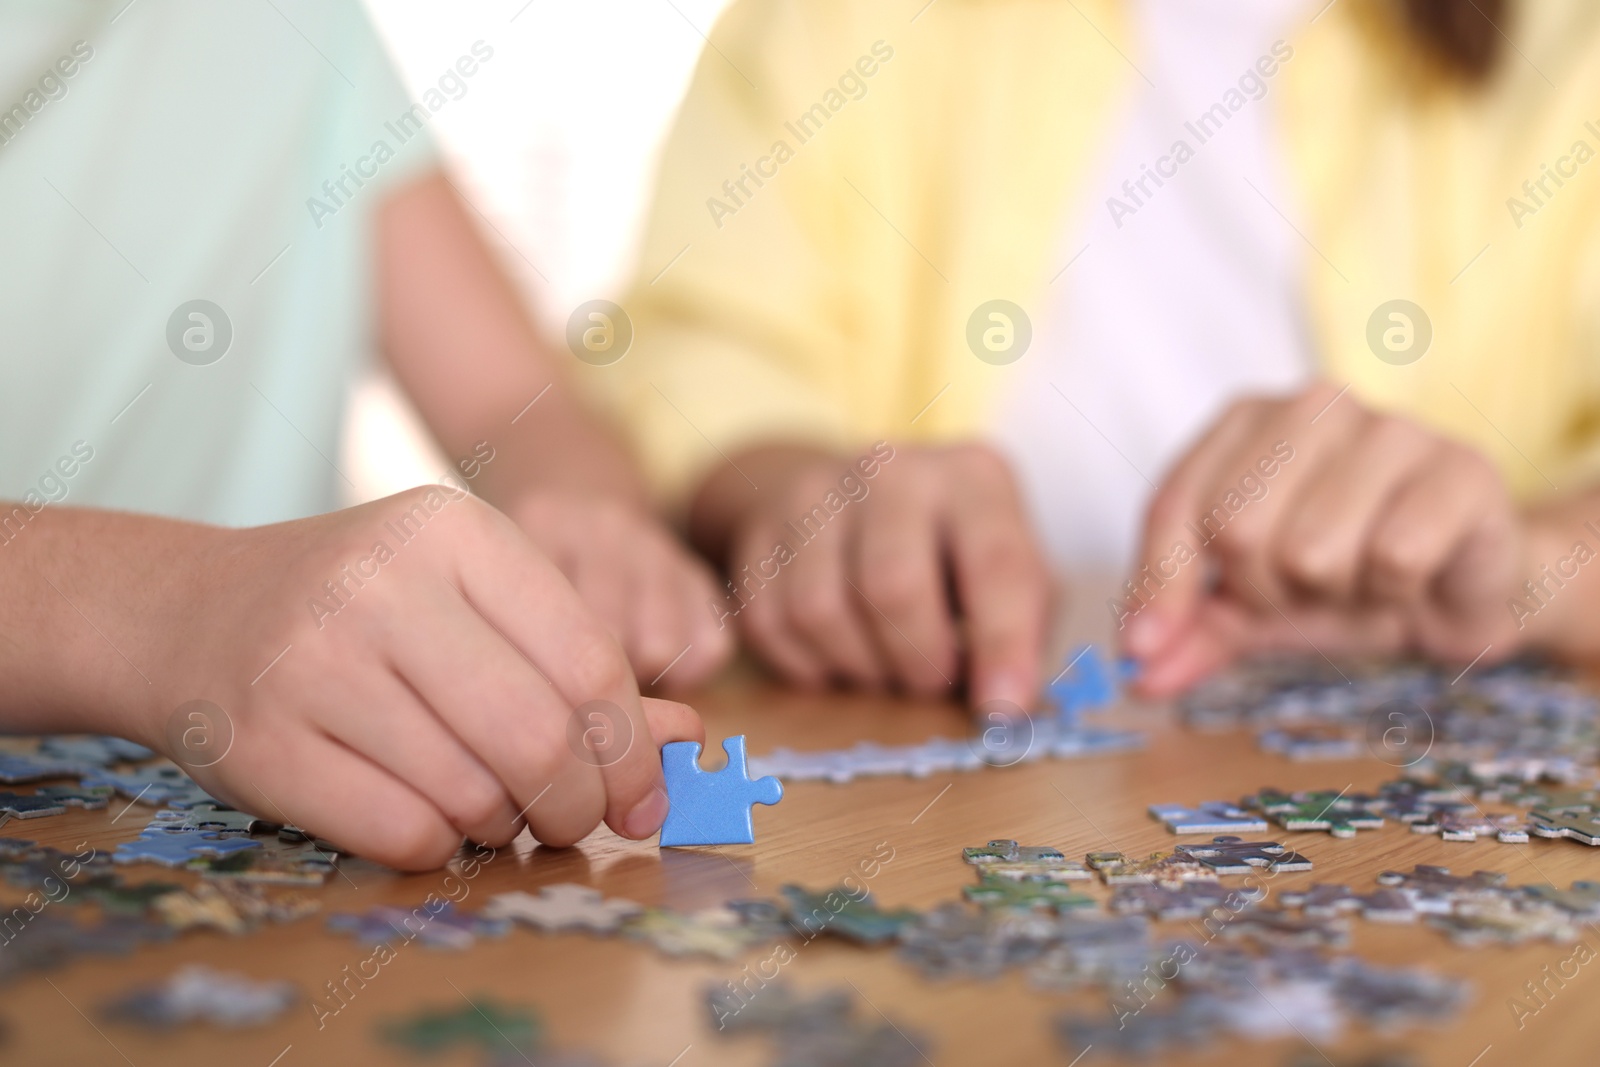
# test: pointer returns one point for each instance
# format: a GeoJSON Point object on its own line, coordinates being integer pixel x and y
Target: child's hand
{"type": "Point", "coordinates": [655, 596]}
{"type": "Point", "coordinates": [404, 674]}
{"type": "Point", "coordinates": [1313, 523]}
{"type": "Point", "coordinates": [911, 575]}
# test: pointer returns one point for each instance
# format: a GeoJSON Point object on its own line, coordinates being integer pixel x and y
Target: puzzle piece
{"type": "Point", "coordinates": [1007, 851]}
{"type": "Point", "coordinates": [952, 939]}
{"type": "Point", "coordinates": [1339, 814]}
{"type": "Point", "coordinates": [305, 863]}
{"type": "Point", "coordinates": [820, 1031]}
{"type": "Point", "coordinates": [1005, 859]}
{"type": "Point", "coordinates": [1190, 900]}
{"type": "Point", "coordinates": [1435, 891]}
{"type": "Point", "coordinates": [96, 751]}
{"type": "Point", "coordinates": [217, 820]}
{"type": "Point", "coordinates": [717, 932]}
{"type": "Point", "coordinates": [1159, 868]}
{"type": "Point", "coordinates": [158, 785]}
{"type": "Point", "coordinates": [778, 1008]}
{"type": "Point", "coordinates": [1323, 900]}
{"type": "Point", "coordinates": [198, 993]}
{"type": "Point", "coordinates": [1209, 817]}
{"type": "Point", "coordinates": [1233, 855]}
{"type": "Point", "coordinates": [1582, 901]}
{"type": "Point", "coordinates": [1189, 1024]}
{"type": "Point", "coordinates": [173, 848]}
{"type": "Point", "coordinates": [19, 806]}
{"type": "Point", "coordinates": [441, 928]}
{"type": "Point", "coordinates": [1087, 682]}
{"type": "Point", "coordinates": [839, 911]}
{"type": "Point", "coordinates": [1580, 822]}
{"type": "Point", "coordinates": [565, 906]}
{"type": "Point", "coordinates": [16, 768]}
{"type": "Point", "coordinates": [76, 796]}
{"type": "Point", "coordinates": [1468, 824]}
{"type": "Point", "coordinates": [1505, 921]}
{"type": "Point", "coordinates": [481, 1022]}
{"type": "Point", "coordinates": [994, 892]}
{"type": "Point", "coordinates": [711, 808]}
{"type": "Point", "coordinates": [1277, 927]}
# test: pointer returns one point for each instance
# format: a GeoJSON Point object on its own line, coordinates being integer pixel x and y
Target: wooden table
{"type": "Point", "coordinates": [622, 1000]}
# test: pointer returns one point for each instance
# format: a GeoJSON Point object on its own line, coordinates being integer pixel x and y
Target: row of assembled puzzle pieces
{"type": "Point", "coordinates": [1005, 735]}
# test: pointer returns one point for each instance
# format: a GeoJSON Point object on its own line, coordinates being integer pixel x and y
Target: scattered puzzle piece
{"type": "Point", "coordinates": [717, 932]}
{"type": "Point", "coordinates": [1336, 812]}
{"type": "Point", "coordinates": [995, 892]}
{"type": "Point", "coordinates": [481, 1022]}
{"type": "Point", "coordinates": [1232, 855]}
{"type": "Point", "coordinates": [19, 806]}
{"type": "Point", "coordinates": [1579, 822]}
{"type": "Point", "coordinates": [711, 808]}
{"type": "Point", "coordinates": [16, 769]}
{"type": "Point", "coordinates": [852, 916]}
{"type": "Point", "coordinates": [95, 751]}
{"type": "Point", "coordinates": [1159, 868]}
{"type": "Point", "coordinates": [1210, 817]}
{"type": "Point", "coordinates": [173, 848]}
{"type": "Point", "coordinates": [565, 906]}
{"type": "Point", "coordinates": [200, 994]}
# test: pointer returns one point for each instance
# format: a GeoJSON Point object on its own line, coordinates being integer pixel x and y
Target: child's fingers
{"type": "Point", "coordinates": [1004, 588]}
{"type": "Point", "coordinates": [335, 793]}
{"type": "Point", "coordinates": [497, 701]}
{"type": "Point", "coordinates": [382, 718]}
{"type": "Point", "coordinates": [821, 607]}
{"type": "Point", "coordinates": [671, 721]}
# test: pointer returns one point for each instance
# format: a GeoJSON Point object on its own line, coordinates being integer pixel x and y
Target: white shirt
{"type": "Point", "coordinates": [1180, 296]}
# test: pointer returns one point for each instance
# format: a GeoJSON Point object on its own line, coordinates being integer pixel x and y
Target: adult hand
{"type": "Point", "coordinates": [1313, 522]}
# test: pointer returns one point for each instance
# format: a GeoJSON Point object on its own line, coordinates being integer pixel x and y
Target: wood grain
{"type": "Point", "coordinates": [621, 1000]}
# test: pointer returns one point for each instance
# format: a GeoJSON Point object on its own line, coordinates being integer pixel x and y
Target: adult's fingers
{"type": "Point", "coordinates": [1169, 550]}
{"type": "Point", "coordinates": [1429, 520]}
{"type": "Point", "coordinates": [899, 583]}
{"type": "Point", "coordinates": [1000, 578]}
{"type": "Point", "coordinates": [1320, 544]}
{"type": "Point", "coordinates": [1302, 434]}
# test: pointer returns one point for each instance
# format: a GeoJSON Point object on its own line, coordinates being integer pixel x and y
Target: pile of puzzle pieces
{"type": "Point", "coordinates": [1403, 712]}
{"type": "Point", "coordinates": [1086, 683]}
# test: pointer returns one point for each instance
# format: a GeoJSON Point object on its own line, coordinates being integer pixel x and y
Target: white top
{"type": "Point", "coordinates": [154, 154]}
{"type": "Point", "coordinates": [1181, 297]}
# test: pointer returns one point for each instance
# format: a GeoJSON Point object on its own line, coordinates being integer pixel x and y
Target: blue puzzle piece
{"type": "Point", "coordinates": [174, 848]}
{"type": "Point", "coordinates": [711, 808]}
{"type": "Point", "coordinates": [1088, 682]}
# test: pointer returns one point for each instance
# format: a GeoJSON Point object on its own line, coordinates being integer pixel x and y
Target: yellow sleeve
{"type": "Point", "coordinates": [749, 302]}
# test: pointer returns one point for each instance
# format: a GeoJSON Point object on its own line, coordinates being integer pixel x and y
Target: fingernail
{"type": "Point", "coordinates": [647, 816]}
{"type": "Point", "coordinates": [1000, 685]}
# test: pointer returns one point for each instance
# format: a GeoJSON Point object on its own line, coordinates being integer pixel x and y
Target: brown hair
{"type": "Point", "coordinates": [1464, 36]}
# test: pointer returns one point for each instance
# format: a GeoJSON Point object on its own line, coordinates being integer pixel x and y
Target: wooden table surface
{"type": "Point", "coordinates": [622, 1000]}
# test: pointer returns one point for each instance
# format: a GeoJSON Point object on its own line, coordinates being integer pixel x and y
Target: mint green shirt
{"type": "Point", "coordinates": [172, 151]}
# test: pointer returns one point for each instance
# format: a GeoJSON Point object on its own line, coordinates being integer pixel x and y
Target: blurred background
{"type": "Point", "coordinates": [554, 147]}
